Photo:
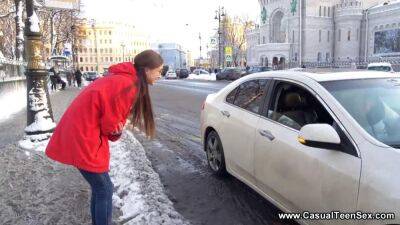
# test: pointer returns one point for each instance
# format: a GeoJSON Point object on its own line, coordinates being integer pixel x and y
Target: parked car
{"type": "Point", "coordinates": [91, 76]}
{"type": "Point", "coordinates": [310, 143]}
{"type": "Point", "coordinates": [171, 75]}
{"type": "Point", "coordinates": [258, 69]}
{"type": "Point", "coordinates": [230, 73]}
{"type": "Point", "coordinates": [386, 67]}
{"type": "Point", "coordinates": [200, 71]}
{"type": "Point", "coordinates": [183, 73]}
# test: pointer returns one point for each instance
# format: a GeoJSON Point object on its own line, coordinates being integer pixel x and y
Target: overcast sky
{"type": "Point", "coordinates": [178, 21]}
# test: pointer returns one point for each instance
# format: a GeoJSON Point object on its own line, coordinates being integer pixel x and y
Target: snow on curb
{"type": "Point", "coordinates": [139, 193]}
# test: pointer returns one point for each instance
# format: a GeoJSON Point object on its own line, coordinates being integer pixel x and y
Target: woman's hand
{"type": "Point", "coordinates": [118, 131]}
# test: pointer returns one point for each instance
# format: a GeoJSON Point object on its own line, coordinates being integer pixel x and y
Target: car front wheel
{"type": "Point", "coordinates": [215, 154]}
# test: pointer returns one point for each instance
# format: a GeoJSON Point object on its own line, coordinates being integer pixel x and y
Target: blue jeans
{"type": "Point", "coordinates": [101, 201]}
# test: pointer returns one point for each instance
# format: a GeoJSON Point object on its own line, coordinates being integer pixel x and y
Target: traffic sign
{"type": "Point", "coordinates": [228, 58]}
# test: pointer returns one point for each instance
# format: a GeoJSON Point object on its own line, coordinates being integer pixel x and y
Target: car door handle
{"type": "Point", "coordinates": [225, 113]}
{"type": "Point", "coordinates": [267, 134]}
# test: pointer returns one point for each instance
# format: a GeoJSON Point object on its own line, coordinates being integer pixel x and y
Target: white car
{"type": "Point", "coordinates": [383, 66]}
{"type": "Point", "coordinates": [310, 143]}
{"type": "Point", "coordinates": [200, 72]}
{"type": "Point", "coordinates": [171, 75]}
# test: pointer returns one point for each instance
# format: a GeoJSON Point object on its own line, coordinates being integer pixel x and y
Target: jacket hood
{"type": "Point", "coordinates": [125, 68]}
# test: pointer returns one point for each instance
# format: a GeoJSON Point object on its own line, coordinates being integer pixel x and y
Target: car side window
{"type": "Point", "coordinates": [231, 96]}
{"type": "Point", "coordinates": [295, 107]}
{"type": "Point", "coordinates": [249, 95]}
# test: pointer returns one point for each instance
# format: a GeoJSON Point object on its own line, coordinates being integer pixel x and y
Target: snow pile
{"type": "Point", "coordinates": [34, 20]}
{"type": "Point", "coordinates": [138, 190]}
{"type": "Point", "coordinates": [13, 101]}
{"type": "Point", "coordinates": [32, 145]}
{"type": "Point", "coordinates": [202, 77]}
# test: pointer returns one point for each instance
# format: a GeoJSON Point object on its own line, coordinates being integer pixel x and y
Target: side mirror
{"type": "Point", "coordinates": [319, 136]}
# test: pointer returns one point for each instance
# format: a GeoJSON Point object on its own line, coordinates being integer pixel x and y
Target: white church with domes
{"type": "Point", "coordinates": [316, 32]}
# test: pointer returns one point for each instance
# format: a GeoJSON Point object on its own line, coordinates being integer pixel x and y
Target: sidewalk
{"type": "Point", "coordinates": [35, 190]}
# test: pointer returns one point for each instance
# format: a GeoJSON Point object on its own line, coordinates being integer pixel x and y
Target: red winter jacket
{"type": "Point", "coordinates": [81, 137]}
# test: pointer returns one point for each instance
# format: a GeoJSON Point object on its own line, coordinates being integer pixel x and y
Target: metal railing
{"type": "Point", "coordinates": [11, 70]}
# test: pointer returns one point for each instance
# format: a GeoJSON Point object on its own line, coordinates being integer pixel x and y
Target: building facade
{"type": "Point", "coordinates": [303, 32]}
{"type": "Point", "coordinates": [108, 43]}
{"type": "Point", "coordinates": [173, 54]}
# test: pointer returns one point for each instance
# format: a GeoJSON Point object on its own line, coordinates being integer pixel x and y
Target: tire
{"type": "Point", "coordinates": [215, 154]}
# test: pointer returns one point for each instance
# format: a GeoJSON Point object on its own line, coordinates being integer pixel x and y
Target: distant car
{"type": "Point", "coordinates": [309, 142]}
{"type": "Point", "coordinates": [258, 69]}
{"type": "Point", "coordinates": [385, 67]}
{"type": "Point", "coordinates": [171, 75]}
{"type": "Point", "coordinates": [183, 73]}
{"type": "Point", "coordinates": [200, 71]}
{"type": "Point", "coordinates": [92, 75]}
{"type": "Point", "coordinates": [230, 73]}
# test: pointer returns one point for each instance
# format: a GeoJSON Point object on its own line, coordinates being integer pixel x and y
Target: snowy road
{"type": "Point", "coordinates": [178, 157]}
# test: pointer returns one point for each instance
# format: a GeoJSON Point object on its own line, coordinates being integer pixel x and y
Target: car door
{"type": "Point", "coordinates": [241, 113]}
{"type": "Point", "coordinates": [299, 177]}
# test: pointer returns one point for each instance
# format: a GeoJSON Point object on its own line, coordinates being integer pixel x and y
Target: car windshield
{"type": "Point", "coordinates": [379, 68]}
{"type": "Point", "coordinates": [373, 103]}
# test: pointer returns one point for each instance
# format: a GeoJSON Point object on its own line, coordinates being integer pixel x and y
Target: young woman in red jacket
{"type": "Point", "coordinates": [98, 115]}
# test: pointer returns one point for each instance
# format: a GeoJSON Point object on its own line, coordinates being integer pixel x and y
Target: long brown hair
{"type": "Point", "coordinates": [142, 112]}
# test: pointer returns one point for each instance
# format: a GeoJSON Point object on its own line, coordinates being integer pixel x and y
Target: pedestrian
{"type": "Point", "coordinates": [78, 77]}
{"type": "Point", "coordinates": [98, 115]}
{"type": "Point", "coordinates": [53, 79]}
{"type": "Point", "coordinates": [70, 77]}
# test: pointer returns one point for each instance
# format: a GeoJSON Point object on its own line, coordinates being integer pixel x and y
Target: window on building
{"type": "Point", "coordinates": [329, 11]}
{"type": "Point", "coordinates": [329, 34]}
{"type": "Point", "coordinates": [86, 59]}
{"type": "Point", "coordinates": [91, 68]}
{"type": "Point", "coordinates": [358, 32]}
{"type": "Point", "coordinates": [263, 40]}
{"type": "Point", "coordinates": [340, 35]}
{"type": "Point", "coordinates": [295, 56]}
{"type": "Point", "coordinates": [109, 32]}
{"type": "Point", "coordinates": [106, 50]}
{"type": "Point", "coordinates": [349, 35]}
{"type": "Point", "coordinates": [293, 39]}
{"type": "Point", "coordinates": [80, 59]}
{"type": "Point", "coordinates": [319, 57]}
{"type": "Point", "coordinates": [327, 56]}
{"type": "Point", "coordinates": [320, 10]}
{"type": "Point", "coordinates": [101, 50]}
{"type": "Point", "coordinates": [101, 41]}
{"type": "Point", "coordinates": [101, 59]}
{"type": "Point", "coordinates": [87, 68]}
{"type": "Point", "coordinates": [106, 59]}
{"type": "Point", "coordinates": [110, 50]}
{"type": "Point", "coordinates": [90, 59]}
{"type": "Point", "coordinates": [110, 41]}
{"type": "Point", "coordinates": [111, 59]}
{"type": "Point", "coordinates": [324, 11]}
{"type": "Point", "coordinates": [320, 35]}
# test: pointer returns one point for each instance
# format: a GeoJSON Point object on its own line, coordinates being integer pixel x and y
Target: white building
{"type": "Point", "coordinates": [332, 31]}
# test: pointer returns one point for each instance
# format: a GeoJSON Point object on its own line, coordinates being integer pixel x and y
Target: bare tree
{"type": "Point", "coordinates": [7, 28]}
{"type": "Point", "coordinates": [234, 35]}
{"type": "Point", "coordinates": [19, 28]}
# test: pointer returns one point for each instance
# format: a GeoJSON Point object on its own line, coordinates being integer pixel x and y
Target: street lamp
{"type": "Point", "coordinates": [40, 122]}
{"type": "Point", "coordinates": [219, 14]}
{"type": "Point", "coordinates": [95, 43]}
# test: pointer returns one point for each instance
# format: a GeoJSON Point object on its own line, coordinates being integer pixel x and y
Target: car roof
{"type": "Point", "coordinates": [326, 76]}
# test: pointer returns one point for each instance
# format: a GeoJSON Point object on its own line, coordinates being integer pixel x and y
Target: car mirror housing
{"type": "Point", "coordinates": [319, 136]}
